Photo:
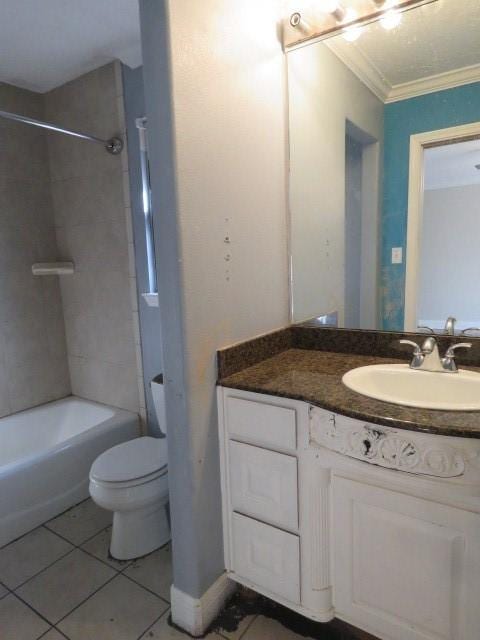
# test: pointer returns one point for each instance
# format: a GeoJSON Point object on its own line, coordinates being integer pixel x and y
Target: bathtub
{"type": "Point", "coordinates": [45, 458]}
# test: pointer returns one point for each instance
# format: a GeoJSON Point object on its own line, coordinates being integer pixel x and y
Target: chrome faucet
{"type": "Point", "coordinates": [450, 326]}
{"type": "Point", "coordinates": [427, 356]}
{"type": "Point", "coordinates": [448, 361]}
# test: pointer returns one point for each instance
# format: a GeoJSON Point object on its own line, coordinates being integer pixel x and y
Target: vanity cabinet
{"type": "Point", "coordinates": [332, 516]}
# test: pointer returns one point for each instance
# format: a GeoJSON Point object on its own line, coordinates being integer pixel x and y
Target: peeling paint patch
{"type": "Point", "coordinates": [392, 296]}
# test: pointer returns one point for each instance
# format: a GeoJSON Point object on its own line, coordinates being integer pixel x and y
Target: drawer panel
{"type": "Point", "coordinates": [263, 424]}
{"type": "Point", "coordinates": [264, 484]}
{"type": "Point", "coordinates": [266, 556]}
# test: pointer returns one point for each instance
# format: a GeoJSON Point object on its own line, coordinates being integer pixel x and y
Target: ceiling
{"type": "Point", "coordinates": [425, 52]}
{"type": "Point", "coordinates": [45, 43]}
{"type": "Point", "coordinates": [452, 165]}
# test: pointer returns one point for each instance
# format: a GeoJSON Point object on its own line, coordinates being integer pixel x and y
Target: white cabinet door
{"type": "Point", "coordinates": [405, 568]}
{"type": "Point", "coordinates": [263, 484]}
{"type": "Point", "coordinates": [267, 557]}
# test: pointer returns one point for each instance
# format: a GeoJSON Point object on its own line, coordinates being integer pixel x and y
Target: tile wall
{"type": "Point", "coordinates": [90, 197]}
{"type": "Point", "coordinates": [67, 199]}
{"type": "Point", "coordinates": [33, 356]}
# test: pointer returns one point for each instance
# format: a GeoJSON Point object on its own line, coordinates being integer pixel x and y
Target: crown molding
{"type": "Point", "coordinates": [361, 66]}
{"type": "Point", "coordinates": [438, 82]}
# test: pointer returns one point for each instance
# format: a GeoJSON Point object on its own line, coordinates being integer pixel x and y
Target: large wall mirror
{"type": "Point", "coordinates": [385, 173]}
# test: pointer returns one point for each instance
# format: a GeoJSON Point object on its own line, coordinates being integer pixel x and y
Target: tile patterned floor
{"type": "Point", "coordinates": [58, 582]}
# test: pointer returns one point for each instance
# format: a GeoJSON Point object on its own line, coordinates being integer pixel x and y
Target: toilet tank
{"type": "Point", "coordinates": [159, 402]}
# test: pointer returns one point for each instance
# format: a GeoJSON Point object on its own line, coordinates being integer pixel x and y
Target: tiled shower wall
{"type": "Point", "coordinates": [89, 189]}
{"type": "Point", "coordinates": [33, 357]}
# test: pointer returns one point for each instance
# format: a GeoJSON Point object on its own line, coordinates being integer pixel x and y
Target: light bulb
{"type": "Point", "coordinates": [330, 6]}
{"type": "Point", "coordinates": [350, 34]}
{"type": "Point", "coordinates": [354, 31]}
{"type": "Point", "coordinates": [334, 8]}
{"type": "Point", "coordinates": [391, 19]}
{"type": "Point", "coordinates": [350, 15]}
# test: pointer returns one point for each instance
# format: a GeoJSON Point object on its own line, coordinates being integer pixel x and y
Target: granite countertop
{"type": "Point", "coordinates": [316, 377]}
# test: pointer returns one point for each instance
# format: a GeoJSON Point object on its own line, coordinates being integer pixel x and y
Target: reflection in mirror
{"type": "Point", "coordinates": [383, 176]}
{"type": "Point", "coordinates": [443, 266]}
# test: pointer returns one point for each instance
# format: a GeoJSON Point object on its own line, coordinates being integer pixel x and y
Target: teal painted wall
{"type": "Point", "coordinates": [437, 110]}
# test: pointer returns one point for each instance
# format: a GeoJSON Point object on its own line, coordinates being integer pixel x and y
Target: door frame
{"type": "Point", "coordinates": [418, 143]}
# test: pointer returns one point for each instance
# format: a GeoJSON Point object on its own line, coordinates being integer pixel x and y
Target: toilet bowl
{"type": "Point", "coordinates": [131, 479]}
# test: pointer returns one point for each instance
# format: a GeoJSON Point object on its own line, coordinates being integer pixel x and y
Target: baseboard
{"type": "Point", "coordinates": [195, 615]}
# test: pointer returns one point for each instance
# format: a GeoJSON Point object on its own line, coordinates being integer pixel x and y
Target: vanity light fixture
{"type": "Point", "coordinates": [343, 15]}
{"type": "Point", "coordinates": [297, 22]}
{"type": "Point", "coordinates": [334, 8]}
{"type": "Point", "coordinates": [336, 18]}
{"type": "Point", "coordinates": [354, 30]}
{"type": "Point", "coordinates": [391, 19]}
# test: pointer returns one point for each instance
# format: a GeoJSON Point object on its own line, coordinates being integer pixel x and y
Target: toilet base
{"type": "Point", "coordinates": [139, 532]}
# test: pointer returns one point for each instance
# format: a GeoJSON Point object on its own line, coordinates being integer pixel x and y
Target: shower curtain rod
{"type": "Point", "coordinates": [112, 145]}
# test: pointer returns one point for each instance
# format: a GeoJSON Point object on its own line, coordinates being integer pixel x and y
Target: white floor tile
{"type": "Point", "coordinates": [264, 628]}
{"type": "Point", "coordinates": [64, 585]}
{"type": "Point", "coordinates": [154, 571]}
{"type": "Point", "coordinates": [81, 523]}
{"type": "Point", "coordinates": [121, 610]}
{"type": "Point", "coordinates": [99, 547]}
{"type": "Point", "coordinates": [22, 559]}
{"type": "Point", "coordinates": [161, 630]}
{"type": "Point", "coordinates": [17, 621]}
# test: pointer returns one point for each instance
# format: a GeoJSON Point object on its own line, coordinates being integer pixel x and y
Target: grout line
{"type": "Point", "coordinates": [139, 584]}
{"type": "Point", "coordinates": [242, 635]}
{"type": "Point", "coordinates": [53, 627]}
{"type": "Point", "coordinates": [42, 570]}
{"type": "Point", "coordinates": [77, 606]}
{"type": "Point", "coordinates": [27, 604]}
{"type": "Point", "coordinates": [103, 561]}
{"type": "Point", "coordinates": [165, 613]}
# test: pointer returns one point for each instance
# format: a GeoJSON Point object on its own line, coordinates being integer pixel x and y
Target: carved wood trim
{"type": "Point", "coordinates": [387, 447]}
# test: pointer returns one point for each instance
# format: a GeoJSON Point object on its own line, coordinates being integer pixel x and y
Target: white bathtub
{"type": "Point", "coordinates": [45, 458]}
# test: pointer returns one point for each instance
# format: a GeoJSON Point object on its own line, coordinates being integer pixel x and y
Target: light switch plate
{"type": "Point", "coordinates": [397, 255]}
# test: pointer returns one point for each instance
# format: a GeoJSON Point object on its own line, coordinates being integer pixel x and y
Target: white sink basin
{"type": "Point", "coordinates": [399, 384]}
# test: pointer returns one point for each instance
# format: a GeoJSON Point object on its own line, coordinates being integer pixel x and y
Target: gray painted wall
{"type": "Point", "coordinates": [353, 230]}
{"type": "Point", "coordinates": [326, 100]}
{"type": "Point", "coordinates": [218, 158]}
{"type": "Point", "coordinates": [149, 316]}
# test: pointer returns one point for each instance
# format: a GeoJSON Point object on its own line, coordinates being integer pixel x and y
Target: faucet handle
{"type": "Point", "coordinates": [448, 362]}
{"type": "Point", "coordinates": [425, 328]}
{"type": "Point", "coordinates": [464, 332]}
{"type": "Point", "coordinates": [450, 352]}
{"type": "Point", "coordinates": [416, 347]}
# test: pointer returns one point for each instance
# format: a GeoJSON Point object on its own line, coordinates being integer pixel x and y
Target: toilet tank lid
{"type": "Point", "coordinates": [131, 460]}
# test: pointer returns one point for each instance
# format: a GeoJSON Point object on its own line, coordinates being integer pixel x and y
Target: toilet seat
{"type": "Point", "coordinates": [131, 463]}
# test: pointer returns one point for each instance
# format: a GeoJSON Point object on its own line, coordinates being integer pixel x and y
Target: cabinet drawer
{"type": "Point", "coordinates": [266, 556]}
{"type": "Point", "coordinates": [263, 484]}
{"type": "Point", "coordinates": [263, 424]}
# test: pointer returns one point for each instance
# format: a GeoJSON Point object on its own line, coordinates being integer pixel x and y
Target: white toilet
{"type": "Point", "coordinates": [131, 480]}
